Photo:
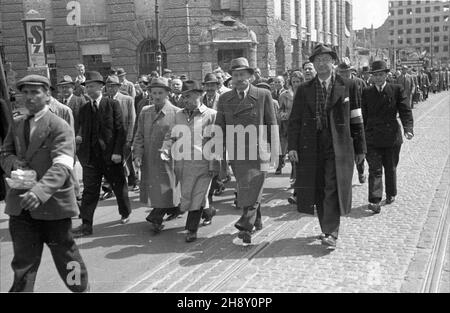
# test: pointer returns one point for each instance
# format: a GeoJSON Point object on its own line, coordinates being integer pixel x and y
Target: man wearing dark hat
{"type": "Point", "coordinates": [365, 75]}
{"type": "Point", "coordinates": [101, 139]}
{"type": "Point", "coordinates": [380, 105]}
{"type": "Point", "coordinates": [42, 213]}
{"type": "Point", "coordinates": [127, 87]}
{"type": "Point", "coordinates": [247, 106]}
{"type": "Point", "coordinates": [325, 132]}
{"type": "Point", "coordinates": [66, 87]}
{"type": "Point", "coordinates": [196, 168]}
{"type": "Point", "coordinates": [159, 186]}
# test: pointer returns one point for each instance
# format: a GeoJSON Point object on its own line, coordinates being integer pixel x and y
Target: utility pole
{"type": "Point", "coordinates": [158, 41]}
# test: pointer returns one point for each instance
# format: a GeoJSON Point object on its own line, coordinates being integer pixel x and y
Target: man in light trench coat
{"type": "Point", "coordinates": [195, 164]}
{"type": "Point", "coordinates": [158, 182]}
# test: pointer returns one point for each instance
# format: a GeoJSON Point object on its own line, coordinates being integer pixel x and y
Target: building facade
{"type": "Point", "coordinates": [196, 36]}
{"type": "Point", "coordinates": [415, 29]}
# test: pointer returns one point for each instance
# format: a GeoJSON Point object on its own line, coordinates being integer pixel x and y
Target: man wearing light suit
{"type": "Point", "coordinates": [46, 144]}
{"type": "Point", "coordinates": [408, 85]}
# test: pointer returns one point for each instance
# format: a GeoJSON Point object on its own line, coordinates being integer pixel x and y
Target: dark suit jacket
{"type": "Point", "coordinates": [52, 140]}
{"type": "Point", "coordinates": [380, 115]}
{"type": "Point", "coordinates": [111, 130]}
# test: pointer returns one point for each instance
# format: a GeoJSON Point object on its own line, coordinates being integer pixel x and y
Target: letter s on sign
{"type": "Point", "coordinates": [74, 16]}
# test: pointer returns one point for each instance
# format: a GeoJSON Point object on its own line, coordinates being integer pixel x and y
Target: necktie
{"type": "Point", "coordinates": [94, 106]}
{"type": "Point", "coordinates": [241, 95]}
{"type": "Point", "coordinates": [324, 88]}
{"type": "Point", "coordinates": [27, 130]}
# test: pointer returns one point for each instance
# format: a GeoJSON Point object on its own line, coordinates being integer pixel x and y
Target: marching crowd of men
{"type": "Point", "coordinates": [325, 117]}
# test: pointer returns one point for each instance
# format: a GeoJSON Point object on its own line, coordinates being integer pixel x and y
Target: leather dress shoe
{"type": "Point", "coordinates": [278, 171]}
{"type": "Point", "coordinates": [106, 195]}
{"type": "Point", "coordinates": [208, 216]}
{"type": "Point", "coordinates": [82, 231]}
{"type": "Point", "coordinates": [156, 228]}
{"type": "Point", "coordinates": [246, 236]}
{"type": "Point", "coordinates": [390, 199]}
{"type": "Point", "coordinates": [191, 236]}
{"type": "Point", "coordinates": [124, 220]}
{"type": "Point", "coordinates": [329, 241]}
{"type": "Point", "coordinates": [375, 207]}
{"type": "Point", "coordinates": [292, 199]}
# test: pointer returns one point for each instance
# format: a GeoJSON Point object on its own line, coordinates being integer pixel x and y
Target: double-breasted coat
{"type": "Point", "coordinates": [159, 186]}
{"type": "Point", "coordinates": [347, 130]}
{"type": "Point", "coordinates": [256, 109]}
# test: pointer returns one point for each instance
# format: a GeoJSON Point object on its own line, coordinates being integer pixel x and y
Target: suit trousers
{"type": "Point", "coordinates": [92, 180]}
{"type": "Point", "coordinates": [327, 198]}
{"type": "Point", "coordinates": [28, 237]}
{"type": "Point", "coordinates": [379, 158]}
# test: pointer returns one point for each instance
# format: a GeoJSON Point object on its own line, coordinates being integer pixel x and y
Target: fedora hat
{"type": "Point", "coordinates": [113, 80]}
{"type": "Point", "coordinates": [67, 80]}
{"type": "Point", "coordinates": [344, 67]}
{"type": "Point", "coordinates": [240, 64]}
{"type": "Point", "coordinates": [322, 49]}
{"type": "Point", "coordinates": [192, 85]}
{"type": "Point", "coordinates": [160, 82]}
{"type": "Point", "coordinates": [379, 66]}
{"type": "Point", "coordinates": [34, 80]}
{"type": "Point", "coordinates": [93, 76]}
{"type": "Point", "coordinates": [210, 78]}
{"type": "Point", "coordinates": [120, 71]}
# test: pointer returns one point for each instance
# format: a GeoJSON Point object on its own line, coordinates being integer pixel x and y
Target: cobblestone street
{"type": "Point", "coordinates": [389, 252]}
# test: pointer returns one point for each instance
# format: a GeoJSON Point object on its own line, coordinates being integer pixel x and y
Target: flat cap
{"type": "Point", "coordinates": [34, 80]}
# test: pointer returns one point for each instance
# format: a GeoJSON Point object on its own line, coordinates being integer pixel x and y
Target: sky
{"type": "Point", "coordinates": [368, 12]}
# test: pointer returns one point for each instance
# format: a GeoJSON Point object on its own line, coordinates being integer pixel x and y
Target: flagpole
{"type": "Point", "coordinates": [5, 91]}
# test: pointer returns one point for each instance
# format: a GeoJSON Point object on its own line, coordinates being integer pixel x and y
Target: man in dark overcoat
{"type": "Point", "coordinates": [325, 131]}
{"type": "Point", "coordinates": [380, 105]}
{"type": "Point", "coordinates": [247, 106]}
{"type": "Point", "coordinates": [101, 139]}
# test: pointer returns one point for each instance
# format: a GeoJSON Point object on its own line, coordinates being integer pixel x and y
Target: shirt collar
{"type": "Point", "coordinates": [245, 91]}
{"type": "Point", "coordinates": [41, 113]}
{"type": "Point", "coordinates": [98, 100]}
{"type": "Point", "coordinates": [382, 87]}
{"type": "Point", "coordinates": [68, 99]}
{"type": "Point", "coordinates": [202, 108]}
{"type": "Point", "coordinates": [327, 81]}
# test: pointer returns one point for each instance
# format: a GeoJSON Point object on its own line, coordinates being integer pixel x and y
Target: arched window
{"type": "Point", "coordinates": [147, 57]}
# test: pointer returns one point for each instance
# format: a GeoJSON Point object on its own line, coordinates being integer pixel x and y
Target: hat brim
{"type": "Point", "coordinates": [243, 68]}
{"type": "Point", "coordinates": [122, 74]}
{"type": "Point", "coordinates": [93, 81]}
{"type": "Point", "coordinates": [113, 84]}
{"type": "Point", "coordinates": [332, 53]}
{"type": "Point", "coordinates": [196, 90]}
{"type": "Point", "coordinates": [65, 83]}
{"type": "Point", "coordinates": [211, 82]}
{"type": "Point", "coordinates": [19, 86]}
{"type": "Point", "coordinates": [163, 87]}
{"type": "Point", "coordinates": [380, 70]}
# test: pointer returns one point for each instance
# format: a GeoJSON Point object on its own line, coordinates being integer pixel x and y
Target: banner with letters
{"type": "Point", "coordinates": [35, 41]}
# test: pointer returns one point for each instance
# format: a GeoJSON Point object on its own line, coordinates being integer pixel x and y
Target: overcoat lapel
{"type": "Point", "coordinates": [40, 133]}
{"type": "Point", "coordinates": [248, 103]}
{"type": "Point", "coordinates": [337, 92]}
